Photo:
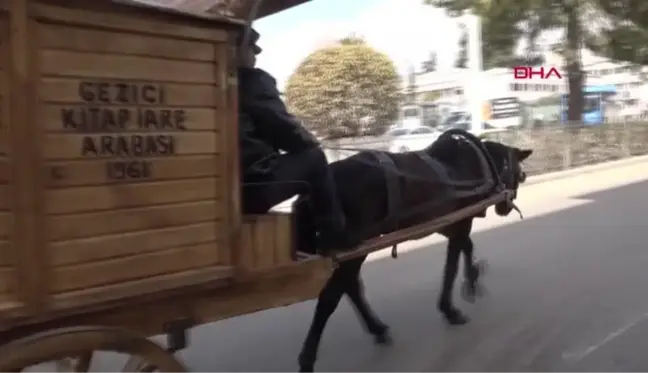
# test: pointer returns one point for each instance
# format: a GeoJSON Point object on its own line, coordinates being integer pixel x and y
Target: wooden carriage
{"type": "Point", "coordinates": [119, 185]}
{"type": "Point", "coordinates": [119, 195]}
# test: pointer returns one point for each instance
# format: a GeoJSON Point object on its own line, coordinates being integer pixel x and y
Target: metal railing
{"type": "Point", "coordinates": [555, 147]}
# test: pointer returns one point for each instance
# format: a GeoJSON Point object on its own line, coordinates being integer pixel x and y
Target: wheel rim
{"type": "Point", "coordinates": [63, 345]}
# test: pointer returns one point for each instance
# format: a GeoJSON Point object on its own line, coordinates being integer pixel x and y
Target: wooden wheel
{"type": "Point", "coordinates": [72, 349]}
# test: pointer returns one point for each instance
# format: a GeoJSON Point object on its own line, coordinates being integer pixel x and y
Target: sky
{"type": "Point", "coordinates": [405, 30]}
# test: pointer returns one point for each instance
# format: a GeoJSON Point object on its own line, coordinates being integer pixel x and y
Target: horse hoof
{"type": "Point", "coordinates": [305, 364]}
{"type": "Point", "coordinates": [482, 266]}
{"type": "Point", "coordinates": [457, 318]}
{"type": "Point", "coordinates": [471, 291]}
{"type": "Point", "coordinates": [383, 338]}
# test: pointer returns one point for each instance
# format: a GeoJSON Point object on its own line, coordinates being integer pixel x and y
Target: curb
{"type": "Point", "coordinates": [542, 178]}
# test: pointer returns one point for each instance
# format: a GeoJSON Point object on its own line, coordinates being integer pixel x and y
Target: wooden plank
{"type": "Point", "coordinates": [5, 197]}
{"type": "Point", "coordinates": [92, 172]}
{"type": "Point", "coordinates": [5, 254]}
{"type": "Point", "coordinates": [33, 218]}
{"type": "Point", "coordinates": [421, 230]}
{"type": "Point", "coordinates": [71, 146]}
{"type": "Point", "coordinates": [66, 90]}
{"type": "Point", "coordinates": [301, 282]}
{"type": "Point", "coordinates": [4, 132]}
{"type": "Point", "coordinates": [83, 39]}
{"type": "Point", "coordinates": [64, 227]}
{"type": "Point", "coordinates": [6, 224]}
{"type": "Point", "coordinates": [132, 291]}
{"type": "Point", "coordinates": [232, 178]}
{"type": "Point", "coordinates": [130, 22]}
{"type": "Point", "coordinates": [54, 118]}
{"type": "Point", "coordinates": [133, 243]}
{"type": "Point", "coordinates": [19, 53]}
{"type": "Point", "coordinates": [264, 241]}
{"type": "Point", "coordinates": [88, 275]}
{"type": "Point", "coordinates": [7, 280]}
{"type": "Point", "coordinates": [107, 197]}
{"type": "Point", "coordinates": [5, 171]}
{"type": "Point", "coordinates": [246, 251]}
{"type": "Point", "coordinates": [284, 242]}
{"type": "Point", "coordinates": [98, 66]}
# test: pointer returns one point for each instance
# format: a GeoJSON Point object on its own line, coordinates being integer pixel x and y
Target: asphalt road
{"type": "Point", "coordinates": [566, 292]}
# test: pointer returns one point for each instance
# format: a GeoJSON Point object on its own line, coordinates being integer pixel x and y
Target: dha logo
{"type": "Point", "coordinates": [528, 73]}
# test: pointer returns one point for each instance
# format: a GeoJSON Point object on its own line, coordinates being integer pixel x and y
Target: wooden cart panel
{"type": "Point", "coordinates": [7, 265]}
{"type": "Point", "coordinates": [136, 176]}
{"type": "Point", "coordinates": [267, 242]}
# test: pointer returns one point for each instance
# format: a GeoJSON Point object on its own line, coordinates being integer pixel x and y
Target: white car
{"type": "Point", "coordinates": [411, 139]}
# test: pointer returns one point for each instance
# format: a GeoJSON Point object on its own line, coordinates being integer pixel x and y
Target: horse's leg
{"type": "Point", "coordinates": [355, 290]}
{"type": "Point", "coordinates": [456, 242]}
{"type": "Point", "coordinates": [472, 268]}
{"type": "Point", "coordinates": [327, 302]}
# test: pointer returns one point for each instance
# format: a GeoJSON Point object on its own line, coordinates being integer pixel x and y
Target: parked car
{"type": "Point", "coordinates": [410, 139]}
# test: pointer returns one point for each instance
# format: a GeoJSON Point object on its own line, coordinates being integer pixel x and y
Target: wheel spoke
{"type": "Point", "coordinates": [72, 350]}
{"type": "Point", "coordinates": [80, 363]}
{"type": "Point", "coordinates": [84, 362]}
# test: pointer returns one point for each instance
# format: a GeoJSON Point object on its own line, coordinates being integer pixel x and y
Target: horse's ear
{"type": "Point", "coordinates": [523, 154]}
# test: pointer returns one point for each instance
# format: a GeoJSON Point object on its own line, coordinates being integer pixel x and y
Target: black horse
{"type": "Point", "coordinates": [382, 192]}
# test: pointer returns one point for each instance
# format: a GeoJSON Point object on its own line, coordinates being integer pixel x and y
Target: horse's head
{"type": "Point", "coordinates": [508, 162]}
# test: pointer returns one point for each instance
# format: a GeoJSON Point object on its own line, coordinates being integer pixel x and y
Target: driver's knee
{"type": "Point", "coordinates": [315, 158]}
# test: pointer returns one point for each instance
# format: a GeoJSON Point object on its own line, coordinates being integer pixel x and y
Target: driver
{"type": "Point", "coordinates": [270, 176]}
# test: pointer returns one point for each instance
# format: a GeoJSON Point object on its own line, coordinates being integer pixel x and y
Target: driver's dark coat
{"type": "Point", "coordinates": [265, 126]}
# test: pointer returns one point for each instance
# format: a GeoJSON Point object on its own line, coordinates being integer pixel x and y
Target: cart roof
{"type": "Point", "coordinates": [217, 9]}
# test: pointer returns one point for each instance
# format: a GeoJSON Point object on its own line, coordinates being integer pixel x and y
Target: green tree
{"type": "Point", "coordinates": [501, 27]}
{"type": "Point", "coordinates": [348, 89]}
{"type": "Point", "coordinates": [624, 36]}
{"type": "Point", "coordinates": [506, 22]}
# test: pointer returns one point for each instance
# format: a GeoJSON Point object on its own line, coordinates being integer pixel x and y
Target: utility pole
{"type": "Point", "coordinates": [475, 85]}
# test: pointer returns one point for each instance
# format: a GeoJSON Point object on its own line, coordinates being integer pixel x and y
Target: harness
{"type": "Point", "coordinates": [490, 181]}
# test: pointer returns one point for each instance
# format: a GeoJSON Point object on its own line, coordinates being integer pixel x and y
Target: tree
{"type": "Point", "coordinates": [348, 89]}
{"type": "Point", "coordinates": [430, 64]}
{"type": "Point", "coordinates": [625, 36]}
{"type": "Point", "coordinates": [500, 26]}
{"type": "Point", "coordinates": [462, 57]}
{"type": "Point", "coordinates": [506, 22]}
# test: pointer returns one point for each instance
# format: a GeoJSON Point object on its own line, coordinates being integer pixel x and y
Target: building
{"type": "Point", "coordinates": [631, 100]}
{"type": "Point", "coordinates": [498, 82]}
{"type": "Point", "coordinates": [632, 87]}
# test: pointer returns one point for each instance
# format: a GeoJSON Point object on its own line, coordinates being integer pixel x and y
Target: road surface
{"type": "Point", "coordinates": [567, 292]}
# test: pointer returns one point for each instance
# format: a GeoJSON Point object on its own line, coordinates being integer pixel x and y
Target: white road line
{"type": "Point", "coordinates": [578, 356]}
